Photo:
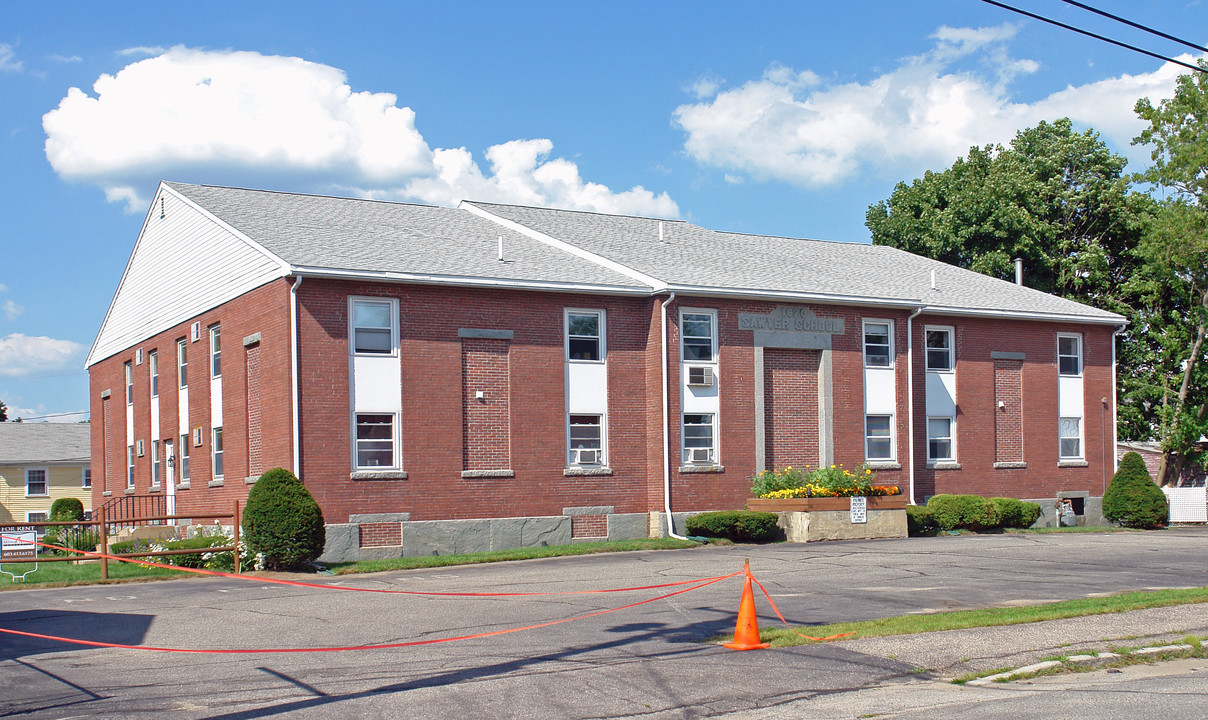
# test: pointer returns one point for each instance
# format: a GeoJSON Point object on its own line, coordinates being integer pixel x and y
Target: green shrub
{"type": "Point", "coordinates": [282, 524]}
{"type": "Point", "coordinates": [920, 520]}
{"type": "Point", "coordinates": [209, 561]}
{"type": "Point", "coordinates": [65, 509]}
{"type": "Point", "coordinates": [971, 512]}
{"type": "Point", "coordinates": [770, 481]}
{"type": "Point", "coordinates": [1016, 513]}
{"type": "Point", "coordinates": [1132, 499]}
{"type": "Point", "coordinates": [744, 526]}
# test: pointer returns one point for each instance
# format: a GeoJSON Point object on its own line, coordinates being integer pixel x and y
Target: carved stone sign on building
{"type": "Point", "coordinates": [790, 319]}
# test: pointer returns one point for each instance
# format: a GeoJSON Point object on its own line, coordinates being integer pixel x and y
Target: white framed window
{"type": "Point", "coordinates": [216, 452]}
{"type": "Point", "coordinates": [585, 440]}
{"type": "Point", "coordinates": [36, 483]}
{"type": "Point", "coordinates": [372, 326]}
{"type": "Point", "coordinates": [375, 441]}
{"type": "Point", "coordinates": [1069, 431]}
{"type": "Point", "coordinates": [182, 363]}
{"type": "Point", "coordinates": [698, 335]}
{"type": "Point", "coordinates": [34, 517]}
{"type": "Point", "coordinates": [183, 459]}
{"type": "Point", "coordinates": [1069, 355]}
{"type": "Point", "coordinates": [130, 467]}
{"type": "Point", "coordinates": [86, 478]}
{"type": "Point", "coordinates": [585, 335]}
{"type": "Point", "coordinates": [878, 350]}
{"type": "Point", "coordinates": [153, 368]}
{"type": "Point", "coordinates": [939, 438]}
{"type": "Point", "coordinates": [129, 383]}
{"type": "Point", "coordinates": [878, 437]}
{"type": "Point", "coordinates": [698, 439]}
{"type": "Point", "coordinates": [941, 351]}
{"type": "Point", "coordinates": [155, 462]}
{"type": "Point", "coordinates": [216, 351]}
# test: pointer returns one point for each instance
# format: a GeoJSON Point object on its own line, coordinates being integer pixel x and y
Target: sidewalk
{"type": "Point", "coordinates": [953, 653]}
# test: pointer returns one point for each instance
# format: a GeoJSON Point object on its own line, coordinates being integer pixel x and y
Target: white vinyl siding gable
{"type": "Point", "coordinates": [185, 263]}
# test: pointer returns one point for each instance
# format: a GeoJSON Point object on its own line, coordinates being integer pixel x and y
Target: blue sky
{"type": "Point", "coordinates": [784, 118]}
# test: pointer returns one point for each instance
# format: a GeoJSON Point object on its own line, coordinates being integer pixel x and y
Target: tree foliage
{"type": "Point", "coordinates": [1132, 499]}
{"type": "Point", "coordinates": [1057, 198]}
{"type": "Point", "coordinates": [3, 412]}
{"type": "Point", "coordinates": [282, 523]}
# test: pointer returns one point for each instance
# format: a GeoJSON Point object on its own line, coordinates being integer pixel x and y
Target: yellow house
{"type": "Point", "coordinates": [40, 463]}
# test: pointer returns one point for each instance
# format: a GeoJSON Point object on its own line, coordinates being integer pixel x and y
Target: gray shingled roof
{"type": "Point", "coordinates": [694, 257]}
{"type": "Point", "coordinates": [370, 236]}
{"type": "Point", "coordinates": [32, 443]}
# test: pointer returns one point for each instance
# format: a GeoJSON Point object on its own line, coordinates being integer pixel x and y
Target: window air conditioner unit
{"type": "Point", "coordinates": [584, 456]}
{"type": "Point", "coordinates": [700, 377]}
{"type": "Point", "coordinates": [700, 455]}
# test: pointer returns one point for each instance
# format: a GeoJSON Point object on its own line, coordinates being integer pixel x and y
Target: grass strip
{"type": "Point", "coordinates": [432, 561]}
{"type": "Point", "coordinates": [64, 574]}
{"type": "Point", "coordinates": [989, 617]}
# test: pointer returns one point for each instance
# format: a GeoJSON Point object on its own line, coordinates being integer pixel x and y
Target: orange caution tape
{"type": "Point", "coordinates": [786, 622]}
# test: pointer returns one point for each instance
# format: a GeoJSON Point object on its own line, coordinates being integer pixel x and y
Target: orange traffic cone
{"type": "Point", "coordinates": [746, 630]}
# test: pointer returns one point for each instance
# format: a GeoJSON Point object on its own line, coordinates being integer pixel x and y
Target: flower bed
{"type": "Point", "coordinates": [815, 504]}
{"type": "Point", "coordinates": [833, 482]}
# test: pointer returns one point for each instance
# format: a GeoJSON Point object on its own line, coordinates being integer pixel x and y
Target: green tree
{"type": "Point", "coordinates": [1132, 499]}
{"type": "Point", "coordinates": [1057, 198]}
{"type": "Point", "coordinates": [1174, 277]}
{"type": "Point", "coordinates": [282, 523]}
{"type": "Point", "coordinates": [3, 412]}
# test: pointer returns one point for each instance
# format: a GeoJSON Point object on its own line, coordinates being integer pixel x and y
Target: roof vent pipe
{"type": "Point", "coordinates": [932, 279]}
{"type": "Point", "coordinates": [501, 248]}
{"type": "Point", "coordinates": [660, 232]}
{"type": "Point", "coordinates": [1019, 271]}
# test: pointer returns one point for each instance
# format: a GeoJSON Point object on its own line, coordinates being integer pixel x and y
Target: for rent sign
{"type": "Point", "coordinates": [18, 542]}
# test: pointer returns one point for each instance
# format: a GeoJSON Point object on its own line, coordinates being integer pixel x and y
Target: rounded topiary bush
{"type": "Point", "coordinates": [282, 523]}
{"type": "Point", "coordinates": [65, 509]}
{"type": "Point", "coordinates": [1132, 499]}
{"type": "Point", "coordinates": [1016, 513]}
{"type": "Point", "coordinates": [971, 512]}
{"type": "Point", "coordinates": [744, 526]}
{"type": "Point", "coordinates": [920, 520]}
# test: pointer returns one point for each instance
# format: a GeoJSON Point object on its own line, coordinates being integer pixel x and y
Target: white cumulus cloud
{"type": "Point", "coordinates": [791, 126]}
{"type": "Point", "coordinates": [25, 355]}
{"type": "Point", "coordinates": [8, 59]}
{"type": "Point", "coordinates": [11, 309]}
{"type": "Point", "coordinates": [188, 110]}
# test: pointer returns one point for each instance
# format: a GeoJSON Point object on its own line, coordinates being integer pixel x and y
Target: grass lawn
{"type": "Point", "coordinates": [62, 574]}
{"type": "Point", "coordinates": [988, 617]}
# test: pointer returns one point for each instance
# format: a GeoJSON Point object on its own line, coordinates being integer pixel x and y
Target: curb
{"type": "Point", "coordinates": [1076, 661]}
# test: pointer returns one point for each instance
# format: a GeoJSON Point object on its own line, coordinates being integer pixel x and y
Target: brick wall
{"type": "Point", "coordinates": [790, 383]}
{"type": "Point", "coordinates": [486, 414]}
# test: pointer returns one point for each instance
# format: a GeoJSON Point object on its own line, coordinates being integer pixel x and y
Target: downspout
{"type": "Point", "coordinates": [293, 370]}
{"type": "Point", "coordinates": [1115, 394]}
{"type": "Point", "coordinates": [910, 395]}
{"type": "Point", "coordinates": [666, 428]}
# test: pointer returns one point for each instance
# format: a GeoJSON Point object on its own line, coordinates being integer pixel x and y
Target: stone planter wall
{"type": "Point", "coordinates": [809, 519]}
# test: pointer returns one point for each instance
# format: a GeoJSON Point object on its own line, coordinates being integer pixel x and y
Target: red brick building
{"type": "Point", "coordinates": [453, 379]}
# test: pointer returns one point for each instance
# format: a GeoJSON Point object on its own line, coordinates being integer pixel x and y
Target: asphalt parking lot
{"type": "Point", "coordinates": [644, 661]}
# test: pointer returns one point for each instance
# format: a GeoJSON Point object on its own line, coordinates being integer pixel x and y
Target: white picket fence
{"type": "Point", "coordinates": [1187, 504]}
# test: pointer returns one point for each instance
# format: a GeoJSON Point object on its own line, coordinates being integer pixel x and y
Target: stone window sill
{"type": "Point", "coordinates": [586, 471]}
{"type": "Point", "coordinates": [155, 488]}
{"type": "Point", "coordinates": [106, 493]}
{"type": "Point", "coordinates": [945, 465]}
{"type": "Point", "coordinates": [217, 482]}
{"type": "Point", "coordinates": [1010, 465]}
{"type": "Point", "coordinates": [375, 475]}
{"type": "Point", "coordinates": [250, 480]}
{"type": "Point", "coordinates": [129, 491]}
{"type": "Point", "coordinates": [1072, 463]}
{"type": "Point", "coordinates": [182, 485]}
{"type": "Point", "coordinates": [702, 468]}
{"type": "Point", "coordinates": [504, 473]}
{"type": "Point", "coordinates": [883, 465]}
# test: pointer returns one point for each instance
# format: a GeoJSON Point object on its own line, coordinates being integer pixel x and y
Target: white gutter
{"type": "Point", "coordinates": [468, 281]}
{"type": "Point", "coordinates": [293, 370]}
{"type": "Point", "coordinates": [754, 293]}
{"type": "Point", "coordinates": [666, 430]}
{"type": "Point", "coordinates": [1017, 315]}
{"type": "Point", "coordinates": [910, 394]}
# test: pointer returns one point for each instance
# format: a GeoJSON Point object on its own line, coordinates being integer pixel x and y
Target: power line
{"type": "Point", "coordinates": [1088, 33]}
{"type": "Point", "coordinates": [1138, 26]}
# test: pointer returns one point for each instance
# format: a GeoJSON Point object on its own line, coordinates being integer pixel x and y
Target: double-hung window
{"type": "Point", "coordinates": [153, 368]}
{"type": "Point", "coordinates": [35, 482]}
{"type": "Point", "coordinates": [375, 441]}
{"type": "Point", "coordinates": [699, 446]}
{"type": "Point", "coordinates": [584, 337]}
{"type": "Point", "coordinates": [878, 437]}
{"type": "Point", "coordinates": [372, 327]}
{"type": "Point", "coordinates": [155, 462]}
{"type": "Point", "coordinates": [939, 349]}
{"type": "Point", "coordinates": [129, 383]}
{"type": "Point", "coordinates": [1069, 355]}
{"type": "Point", "coordinates": [182, 363]}
{"type": "Point", "coordinates": [586, 440]}
{"type": "Point", "coordinates": [216, 351]}
{"type": "Point", "coordinates": [698, 339]}
{"type": "Point", "coordinates": [1069, 430]}
{"type": "Point", "coordinates": [939, 438]}
{"type": "Point", "coordinates": [86, 478]}
{"type": "Point", "coordinates": [184, 458]}
{"type": "Point", "coordinates": [216, 452]}
{"type": "Point", "coordinates": [130, 467]}
{"type": "Point", "coordinates": [877, 349]}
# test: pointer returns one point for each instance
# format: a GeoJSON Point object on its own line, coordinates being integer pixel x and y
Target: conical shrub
{"type": "Point", "coordinates": [1132, 499]}
{"type": "Point", "coordinates": [282, 523]}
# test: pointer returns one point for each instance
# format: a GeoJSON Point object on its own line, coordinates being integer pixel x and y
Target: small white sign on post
{"type": "Point", "coordinates": [859, 510]}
